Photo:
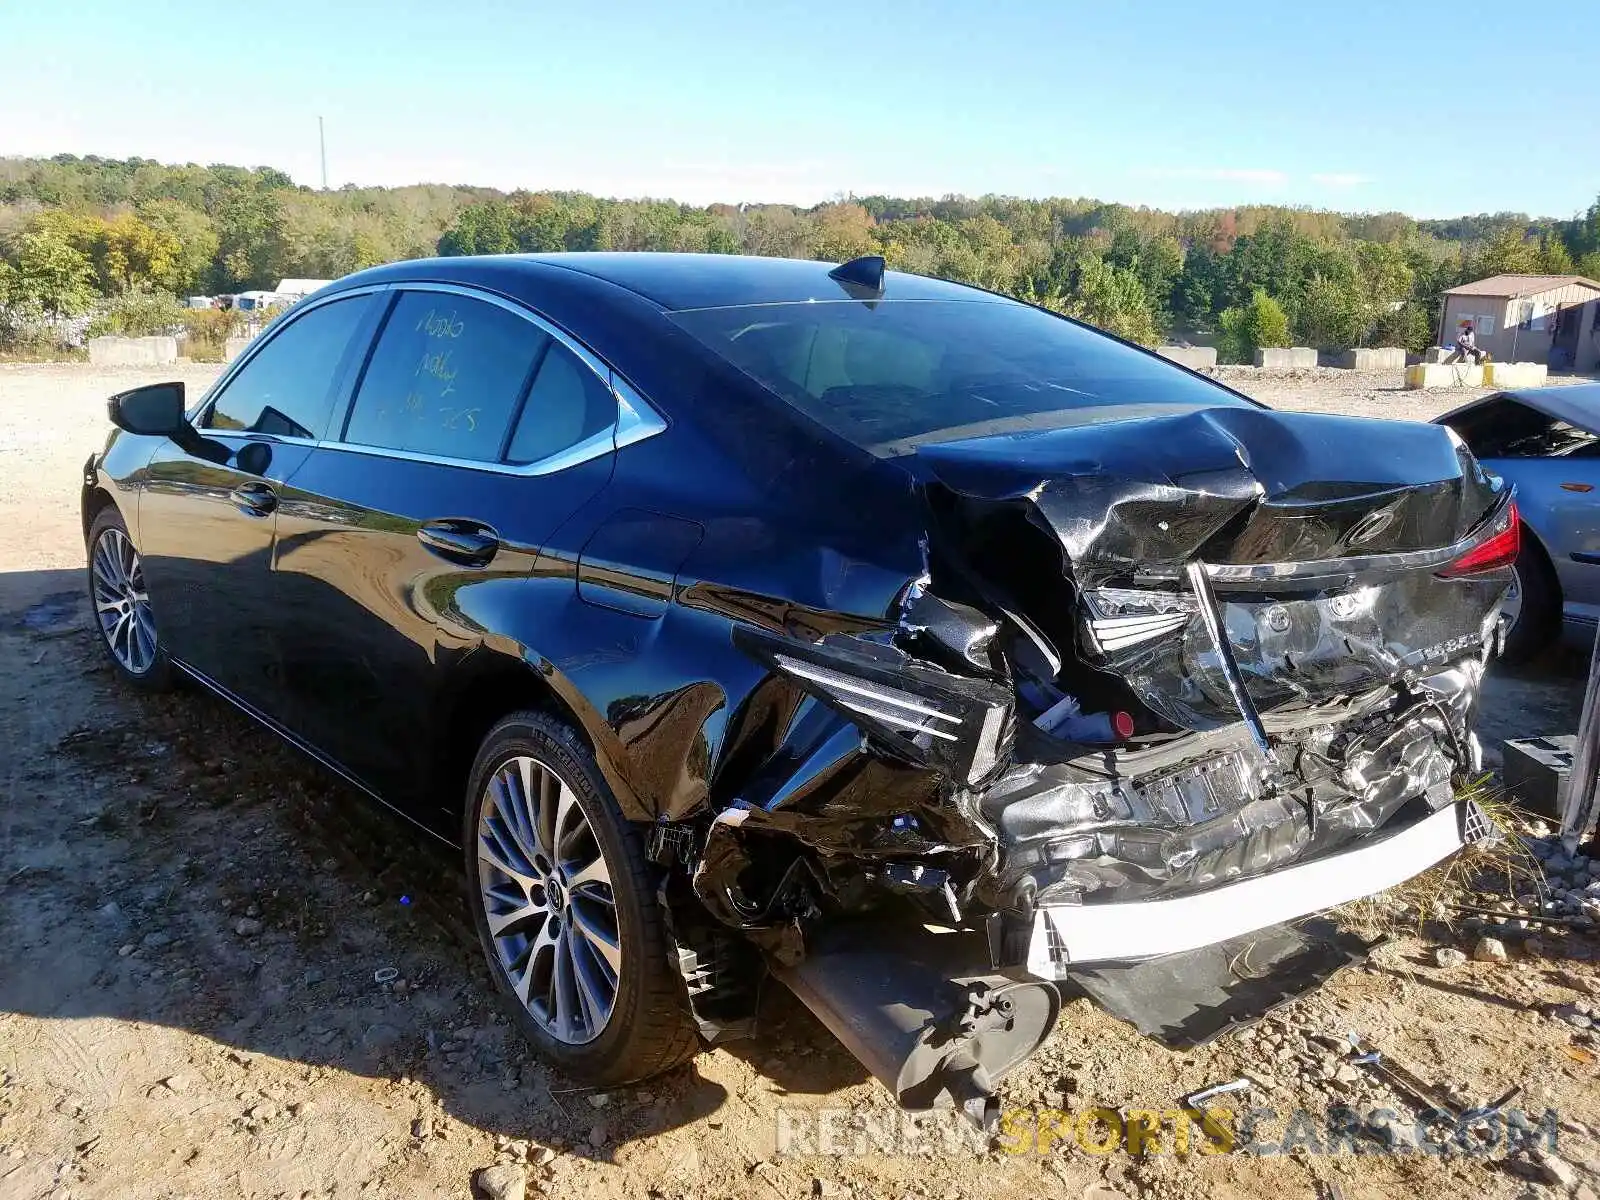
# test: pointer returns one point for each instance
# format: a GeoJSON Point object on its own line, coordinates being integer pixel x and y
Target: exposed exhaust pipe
{"type": "Point", "coordinates": [924, 1012]}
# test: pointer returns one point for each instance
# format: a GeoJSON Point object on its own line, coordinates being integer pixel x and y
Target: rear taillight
{"type": "Point", "coordinates": [1498, 550]}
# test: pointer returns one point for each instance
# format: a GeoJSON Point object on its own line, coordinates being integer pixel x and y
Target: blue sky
{"type": "Point", "coordinates": [1355, 106]}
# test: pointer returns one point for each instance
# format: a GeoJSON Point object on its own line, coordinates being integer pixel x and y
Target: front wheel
{"type": "Point", "coordinates": [565, 910]}
{"type": "Point", "coordinates": [122, 611]}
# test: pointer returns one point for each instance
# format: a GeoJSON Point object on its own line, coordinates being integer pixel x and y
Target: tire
{"type": "Point", "coordinates": [552, 973]}
{"type": "Point", "coordinates": [128, 633]}
{"type": "Point", "coordinates": [1538, 619]}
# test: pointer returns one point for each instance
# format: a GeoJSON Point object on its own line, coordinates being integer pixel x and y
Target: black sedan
{"type": "Point", "coordinates": [922, 648]}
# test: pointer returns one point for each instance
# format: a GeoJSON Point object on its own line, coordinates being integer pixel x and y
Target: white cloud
{"type": "Point", "coordinates": [1340, 179]}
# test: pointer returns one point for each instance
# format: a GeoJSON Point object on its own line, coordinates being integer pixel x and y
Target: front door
{"type": "Point", "coordinates": [207, 523]}
{"type": "Point", "coordinates": [474, 432]}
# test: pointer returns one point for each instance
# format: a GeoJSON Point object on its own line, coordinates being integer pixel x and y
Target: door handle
{"type": "Point", "coordinates": [467, 542]}
{"type": "Point", "coordinates": [254, 499]}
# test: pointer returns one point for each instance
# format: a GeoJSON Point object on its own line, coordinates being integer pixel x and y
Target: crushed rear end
{"type": "Point", "coordinates": [1167, 684]}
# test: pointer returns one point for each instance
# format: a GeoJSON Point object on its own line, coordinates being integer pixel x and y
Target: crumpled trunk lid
{"type": "Point", "coordinates": [1321, 535]}
{"type": "Point", "coordinates": [1228, 485]}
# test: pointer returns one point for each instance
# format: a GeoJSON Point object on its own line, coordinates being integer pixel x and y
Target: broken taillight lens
{"type": "Point", "coordinates": [1498, 550]}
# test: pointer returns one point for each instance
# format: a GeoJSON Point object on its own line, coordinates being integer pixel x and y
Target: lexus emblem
{"type": "Point", "coordinates": [1369, 527]}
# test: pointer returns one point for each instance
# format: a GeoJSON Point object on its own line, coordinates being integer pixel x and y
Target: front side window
{"type": "Point", "coordinates": [890, 375]}
{"type": "Point", "coordinates": [447, 378]}
{"type": "Point", "coordinates": [287, 387]}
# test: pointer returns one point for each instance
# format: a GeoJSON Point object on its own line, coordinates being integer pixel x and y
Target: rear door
{"type": "Point", "coordinates": [207, 522]}
{"type": "Point", "coordinates": [475, 429]}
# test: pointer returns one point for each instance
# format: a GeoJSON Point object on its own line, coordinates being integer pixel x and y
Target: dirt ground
{"type": "Point", "coordinates": [194, 921]}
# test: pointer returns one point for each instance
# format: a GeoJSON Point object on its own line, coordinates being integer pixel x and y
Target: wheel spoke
{"type": "Point", "coordinates": [493, 849]}
{"type": "Point", "coordinates": [500, 923]}
{"type": "Point", "coordinates": [594, 873]}
{"type": "Point", "coordinates": [594, 995]}
{"type": "Point", "coordinates": [604, 944]}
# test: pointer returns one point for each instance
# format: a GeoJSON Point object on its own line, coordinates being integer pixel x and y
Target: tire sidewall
{"type": "Point", "coordinates": [552, 743]}
{"type": "Point", "coordinates": [1539, 618]}
{"type": "Point", "coordinates": [159, 676]}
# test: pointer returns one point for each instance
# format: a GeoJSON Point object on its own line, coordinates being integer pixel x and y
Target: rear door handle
{"type": "Point", "coordinates": [254, 499]}
{"type": "Point", "coordinates": [469, 543]}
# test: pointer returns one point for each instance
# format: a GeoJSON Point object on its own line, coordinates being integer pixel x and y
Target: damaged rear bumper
{"type": "Point", "coordinates": [1067, 936]}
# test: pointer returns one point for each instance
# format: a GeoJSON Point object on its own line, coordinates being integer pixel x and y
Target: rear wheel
{"type": "Point", "coordinates": [122, 611]}
{"type": "Point", "coordinates": [1532, 607]}
{"type": "Point", "coordinates": [565, 908]}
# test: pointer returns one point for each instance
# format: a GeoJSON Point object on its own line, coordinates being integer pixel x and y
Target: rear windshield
{"type": "Point", "coordinates": [891, 375]}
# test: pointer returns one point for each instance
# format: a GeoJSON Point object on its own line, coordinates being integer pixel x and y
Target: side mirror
{"type": "Point", "coordinates": [155, 410]}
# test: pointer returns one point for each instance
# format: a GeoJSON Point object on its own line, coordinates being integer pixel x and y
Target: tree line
{"type": "Point", "coordinates": [122, 239]}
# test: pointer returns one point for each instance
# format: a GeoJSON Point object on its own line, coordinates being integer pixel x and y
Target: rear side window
{"type": "Point", "coordinates": [446, 378]}
{"type": "Point", "coordinates": [567, 404]}
{"type": "Point", "coordinates": [287, 387]}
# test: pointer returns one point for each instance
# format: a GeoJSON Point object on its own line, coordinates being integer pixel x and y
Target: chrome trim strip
{"type": "Point", "coordinates": [636, 420]}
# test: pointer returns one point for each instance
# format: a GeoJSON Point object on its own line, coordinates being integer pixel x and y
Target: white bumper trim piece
{"type": "Point", "coordinates": [1074, 935]}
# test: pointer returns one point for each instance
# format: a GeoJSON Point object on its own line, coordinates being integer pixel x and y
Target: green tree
{"type": "Point", "coordinates": [130, 255]}
{"type": "Point", "coordinates": [195, 236]}
{"type": "Point", "coordinates": [250, 239]}
{"type": "Point", "coordinates": [1113, 299]}
{"type": "Point", "coordinates": [1259, 325]}
{"type": "Point", "coordinates": [44, 277]}
{"type": "Point", "coordinates": [1509, 252]}
{"type": "Point", "coordinates": [481, 229]}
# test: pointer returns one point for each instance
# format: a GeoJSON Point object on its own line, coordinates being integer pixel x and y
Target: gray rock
{"type": "Point", "coordinates": [503, 1182]}
{"type": "Point", "coordinates": [1449, 956]}
{"type": "Point", "coordinates": [1490, 950]}
{"type": "Point", "coordinates": [1553, 1169]}
{"type": "Point", "coordinates": [125, 950]}
{"type": "Point", "coordinates": [380, 1037]}
{"type": "Point", "coordinates": [598, 1134]}
{"type": "Point", "coordinates": [177, 1083]}
{"type": "Point", "coordinates": [247, 927]}
{"type": "Point", "coordinates": [155, 940]}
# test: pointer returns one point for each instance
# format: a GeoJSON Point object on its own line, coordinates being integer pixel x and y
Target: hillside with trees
{"type": "Point", "coordinates": [109, 245]}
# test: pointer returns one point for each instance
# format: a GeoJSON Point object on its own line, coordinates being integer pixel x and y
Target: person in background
{"type": "Point", "coordinates": [1466, 345]}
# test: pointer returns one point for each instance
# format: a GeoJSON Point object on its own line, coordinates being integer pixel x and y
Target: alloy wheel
{"type": "Point", "coordinates": [121, 603]}
{"type": "Point", "coordinates": [548, 900]}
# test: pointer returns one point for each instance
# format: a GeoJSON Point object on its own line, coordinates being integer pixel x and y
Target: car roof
{"type": "Point", "coordinates": [683, 281]}
{"type": "Point", "coordinates": [1577, 404]}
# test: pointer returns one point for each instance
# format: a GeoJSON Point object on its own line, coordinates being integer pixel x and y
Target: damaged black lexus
{"type": "Point", "coordinates": [742, 618]}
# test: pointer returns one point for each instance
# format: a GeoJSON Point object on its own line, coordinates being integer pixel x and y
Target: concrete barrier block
{"type": "Point", "coordinates": [133, 352]}
{"type": "Point", "coordinates": [1196, 358]}
{"type": "Point", "coordinates": [1443, 375]}
{"type": "Point", "coordinates": [1435, 354]}
{"type": "Point", "coordinates": [1374, 358]}
{"type": "Point", "coordinates": [1291, 358]}
{"type": "Point", "coordinates": [234, 346]}
{"type": "Point", "coordinates": [1515, 375]}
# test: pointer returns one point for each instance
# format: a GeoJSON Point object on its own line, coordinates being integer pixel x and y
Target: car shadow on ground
{"type": "Point", "coordinates": [167, 861]}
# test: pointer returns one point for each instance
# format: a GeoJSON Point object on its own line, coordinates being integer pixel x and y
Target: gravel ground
{"type": "Point", "coordinates": [194, 920]}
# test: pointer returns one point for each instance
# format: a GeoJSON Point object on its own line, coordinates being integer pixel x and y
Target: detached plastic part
{"type": "Point", "coordinates": [1091, 729]}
